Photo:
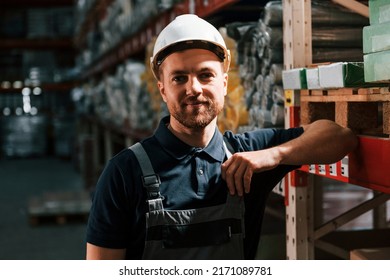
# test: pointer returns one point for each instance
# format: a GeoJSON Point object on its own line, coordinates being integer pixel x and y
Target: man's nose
{"type": "Point", "coordinates": [194, 87]}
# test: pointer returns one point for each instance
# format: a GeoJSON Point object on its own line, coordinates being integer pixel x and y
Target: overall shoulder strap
{"type": "Point", "coordinates": [150, 179]}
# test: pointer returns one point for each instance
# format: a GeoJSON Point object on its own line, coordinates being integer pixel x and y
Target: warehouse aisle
{"type": "Point", "coordinates": [20, 179]}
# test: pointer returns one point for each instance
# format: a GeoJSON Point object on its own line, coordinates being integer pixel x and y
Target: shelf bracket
{"type": "Point", "coordinates": [350, 215]}
{"type": "Point", "coordinates": [333, 249]}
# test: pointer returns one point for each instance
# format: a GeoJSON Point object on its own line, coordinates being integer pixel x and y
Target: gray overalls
{"type": "Point", "coordinates": [214, 232]}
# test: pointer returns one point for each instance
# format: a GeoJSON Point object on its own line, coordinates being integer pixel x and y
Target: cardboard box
{"type": "Point", "coordinates": [376, 38]}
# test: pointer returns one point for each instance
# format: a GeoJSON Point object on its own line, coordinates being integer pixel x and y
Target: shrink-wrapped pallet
{"type": "Point", "coordinates": [234, 113]}
{"type": "Point", "coordinates": [149, 85]}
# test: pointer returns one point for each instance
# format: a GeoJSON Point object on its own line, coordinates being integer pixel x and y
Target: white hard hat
{"type": "Point", "coordinates": [188, 32]}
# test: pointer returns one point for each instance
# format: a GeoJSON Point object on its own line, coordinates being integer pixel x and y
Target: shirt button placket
{"type": "Point", "coordinates": [201, 176]}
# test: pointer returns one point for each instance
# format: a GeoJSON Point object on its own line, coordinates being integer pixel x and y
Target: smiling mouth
{"type": "Point", "coordinates": [195, 102]}
{"type": "Point", "coordinates": [197, 105]}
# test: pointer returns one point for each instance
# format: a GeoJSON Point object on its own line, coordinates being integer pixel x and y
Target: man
{"type": "Point", "coordinates": [181, 194]}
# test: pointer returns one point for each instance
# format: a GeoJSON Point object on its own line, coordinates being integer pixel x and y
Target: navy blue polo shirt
{"type": "Point", "coordinates": [190, 178]}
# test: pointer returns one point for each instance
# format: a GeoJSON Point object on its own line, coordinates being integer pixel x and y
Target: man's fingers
{"type": "Point", "coordinates": [238, 170]}
{"type": "Point", "coordinates": [234, 172]}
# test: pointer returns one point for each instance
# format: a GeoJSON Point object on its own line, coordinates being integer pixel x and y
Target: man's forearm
{"type": "Point", "coordinates": [323, 142]}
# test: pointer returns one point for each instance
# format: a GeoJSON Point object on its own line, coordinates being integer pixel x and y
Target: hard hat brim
{"type": "Point", "coordinates": [191, 44]}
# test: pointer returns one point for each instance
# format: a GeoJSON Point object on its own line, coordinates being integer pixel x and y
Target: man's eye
{"type": "Point", "coordinates": [180, 79]}
{"type": "Point", "coordinates": [205, 76]}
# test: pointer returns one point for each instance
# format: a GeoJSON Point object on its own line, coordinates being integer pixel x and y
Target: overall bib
{"type": "Point", "coordinates": [214, 232]}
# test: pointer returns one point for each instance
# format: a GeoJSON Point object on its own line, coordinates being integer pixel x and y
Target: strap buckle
{"type": "Point", "coordinates": [152, 185]}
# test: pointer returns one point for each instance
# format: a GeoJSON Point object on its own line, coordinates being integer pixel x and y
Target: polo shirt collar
{"type": "Point", "coordinates": [179, 150]}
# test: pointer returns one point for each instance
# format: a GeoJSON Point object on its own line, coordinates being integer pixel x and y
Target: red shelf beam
{"type": "Point", "coordinates": [368, 166]}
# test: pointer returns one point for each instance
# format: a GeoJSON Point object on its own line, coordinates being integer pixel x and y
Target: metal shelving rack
{"type": "Point", "coordinates": [367, 167]}
{"type": "Point", "coordinates": [37, 44]}
{"type": "Point", "coordinates": [137, 42]}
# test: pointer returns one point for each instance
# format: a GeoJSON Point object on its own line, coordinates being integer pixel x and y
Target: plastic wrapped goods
{"type": "Point", "coordinates": [235, 112]}
{"type": "Point", "coordinates": [149, 86]}
{"type": "Point", "coordinates": [24, 136]}
{"type": "Point", "coordinates": [324, 13]}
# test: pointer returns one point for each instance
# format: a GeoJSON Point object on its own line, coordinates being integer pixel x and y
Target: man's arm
{"type": "Point", "coordinates": [322, 142]}
{"type": "Point", "coordinates": [99, 253]}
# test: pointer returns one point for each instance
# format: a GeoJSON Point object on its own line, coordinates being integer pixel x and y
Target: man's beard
{"type": "Point", "coordinates": [198, 118]}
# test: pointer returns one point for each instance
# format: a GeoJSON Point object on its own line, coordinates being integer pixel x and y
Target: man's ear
{"type": "Point", "coordinates": [225, 83]}
{"type": "Point", "coordinates": [161, 88]}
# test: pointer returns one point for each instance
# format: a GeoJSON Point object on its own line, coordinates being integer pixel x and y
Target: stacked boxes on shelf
{"type": "Point", "coordinates": [48, 65]}
{"type": "Point", "coordinates": [376, 42]}
{"type": "Point", "coordinates": [326, 76]}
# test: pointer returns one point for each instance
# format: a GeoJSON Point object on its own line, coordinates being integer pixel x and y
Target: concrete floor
{"type": "Point", "coordinates": [20, 179]}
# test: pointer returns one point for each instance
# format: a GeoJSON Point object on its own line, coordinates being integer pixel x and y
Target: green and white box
{"type": "Point", "coordinates": [341, 74]}
{"type": "Point", "coordinates": [377, 66]}
{"type": "Point", "coordinates": [313, 79]}
{"type": "Point", "coordinates": [376, 38]}
{"type": "Point", "coordinates": [379, 11]}
{"type": "Point", "coordinates": [294, 78]}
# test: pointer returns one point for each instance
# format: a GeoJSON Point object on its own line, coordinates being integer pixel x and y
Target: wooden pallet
{"type": "Point", "coordinates": [365, 110]}
{"type": "Point", "coordinates": [59, 208]}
